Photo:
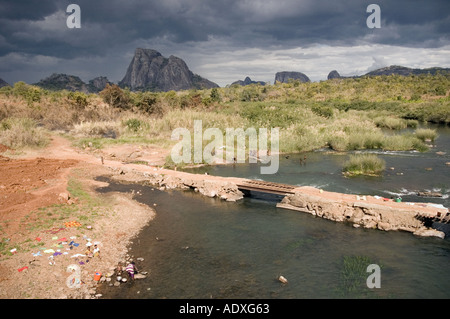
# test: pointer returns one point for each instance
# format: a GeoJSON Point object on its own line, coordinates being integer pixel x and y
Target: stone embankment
{"type": "Point", "coordinates": [361, 211]}
{"type": "Point", "coordinates": [211, 186]}
{"type": "Point", "coordinates": [364, 211]}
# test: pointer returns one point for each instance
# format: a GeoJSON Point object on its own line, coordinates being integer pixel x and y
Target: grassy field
{"type": "Point", "coordinates": [385, 112]}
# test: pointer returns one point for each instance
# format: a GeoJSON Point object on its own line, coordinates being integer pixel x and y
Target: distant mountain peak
{"type": "Point", "coordinates": [402, 70]}
{"type": "Point", "coordinates": [285, 76]}
{"type": "Point", "coordinates": [149, 70]}
{"type": "Point", "coordinates": [392, 70]}
{"type": "Point", "coordinates": [61, 81]}
{"type": "Point", "coordinates": [333, 75]}
{"type": "Point", "coordinates": [98, 84]}
{"type": "Point", "coordinates": [3, 83]}
{"type": "Point", "coordinates": [247, 81]}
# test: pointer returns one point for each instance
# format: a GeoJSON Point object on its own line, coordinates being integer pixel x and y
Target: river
{"type": "Point", "coordinates": [198, 247]}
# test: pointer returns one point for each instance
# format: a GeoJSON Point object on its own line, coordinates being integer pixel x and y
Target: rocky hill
{"type": "Point", "coordinates": [61, 81]}
{"type": "Point", "coordinates": [3, 83]}
{"type": "Point", "coordinates": [333, 75]}
{"type": "Point", "coordinates": [149, 70]}
{"type": "Point", "coordinates": [73, 83]}
{"type": "Point", "coordinates": [247, 81]}
{"type": "Point", "coordinates": [285, 76]}
{"type": "Point", "coordinates": [401, 70]}
{"type": "Point", "coordinates": [393, 70]}
{"type": "Point", "coordinates": [98, 84]}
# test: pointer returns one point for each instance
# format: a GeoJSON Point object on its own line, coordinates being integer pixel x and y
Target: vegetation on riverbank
{"type": "Point", "coordinates": [383, 112]}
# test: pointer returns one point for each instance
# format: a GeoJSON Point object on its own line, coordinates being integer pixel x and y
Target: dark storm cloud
{"type": "Point", "coordinates": [27, 9]}
{"type": "Point", "coordinates": [107, 23]}
{"type": "Point", "coordinates": [114, 27]}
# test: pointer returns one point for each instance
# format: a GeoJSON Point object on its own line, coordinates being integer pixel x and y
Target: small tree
{"type": "Point", "coordinates": [79, 99]}
{"type": "Point", "coordinates": [115, 97]}
{"type": "Point", "coordinates": [147, 102]}
{"type": "Point", "coordinates": [215, 96]}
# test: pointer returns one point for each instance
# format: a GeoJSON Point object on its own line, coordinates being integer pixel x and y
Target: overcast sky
{"type": "Point", "coordinates": [221, 40]}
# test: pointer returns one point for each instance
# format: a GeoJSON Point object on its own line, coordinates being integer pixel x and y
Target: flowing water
{"type": "Point", "coordinates": [198, 247]}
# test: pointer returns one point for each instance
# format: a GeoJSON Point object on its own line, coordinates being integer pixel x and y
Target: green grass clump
{"type": "Point", "coordinates": [389, 122]}
{"type": "Point", "coordinates": [364, 164]}
{"type": "Point", "coordinates": [353, 278]}
{"type": "Point", "coordinates": [425, 134]}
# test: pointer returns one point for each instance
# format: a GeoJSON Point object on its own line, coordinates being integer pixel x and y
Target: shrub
{"type": "Point", "coordinates": [133, 124]}
{"type": "Point", "coordinates": [29, 93]}
{"type": "Point", "coordinates": [251, 93]}
{"type": "Point", "coordinates": [215, 96]}
{"type": "Point", "coordinates": [364, 164]}
{"type": "Point", "coordinates": [78, 99]}
{"type": "Point", "coordinates": [324, 111]}
{"type": "Point", "coordinates": [147, 102]}
{"type": "Point", "coordinates": [115, 97]}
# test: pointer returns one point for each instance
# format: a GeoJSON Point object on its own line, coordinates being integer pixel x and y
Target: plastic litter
{"type": "Point", "coordinates": [97, 276]}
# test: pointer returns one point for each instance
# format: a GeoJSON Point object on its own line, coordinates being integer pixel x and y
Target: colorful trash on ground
{"type": "Point", "coordinates": [72, 224]}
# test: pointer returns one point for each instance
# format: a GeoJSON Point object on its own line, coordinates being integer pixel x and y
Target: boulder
{"type": "Point", "coordinates": [282, 279]}
{"type": "Point", "coordinates": [429, 232]}
{"type": "Point", "coordinates": [384, 226]}
{"type": "Point", "coordinates": [429, 194]}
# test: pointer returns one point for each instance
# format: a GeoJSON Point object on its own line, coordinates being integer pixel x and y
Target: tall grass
{"type": "Point", "coordinates": [364, 164]}
{"type": "Point", "coordinates": [394, 123]}
{"type": "Point", "coordinates": [18, 133]}
{"type": "Point", "coordinates": [343, 114]}
{"type": "Point", "coordinates": [425, 134]}
{"type": "Point", "coordinates": [105, 129]}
